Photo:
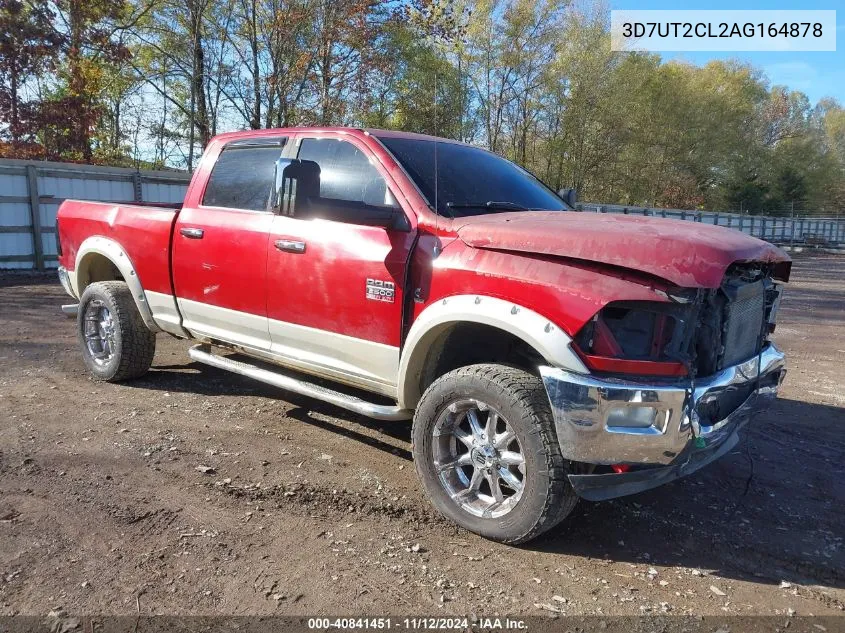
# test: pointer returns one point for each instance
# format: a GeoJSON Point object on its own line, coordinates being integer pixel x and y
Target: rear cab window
{"type": "Point", "coordinates": [243, 176]}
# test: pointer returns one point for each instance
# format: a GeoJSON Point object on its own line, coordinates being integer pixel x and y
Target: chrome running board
{"type": "Point", "coordinates": [202, 354]}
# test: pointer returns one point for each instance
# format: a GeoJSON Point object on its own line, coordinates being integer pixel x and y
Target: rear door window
{"type": "Point", "coordinates": [242, 178]}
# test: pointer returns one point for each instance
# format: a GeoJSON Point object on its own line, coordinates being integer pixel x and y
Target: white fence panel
{"type": "Point", "coordinates": [163, 192]}
{"type": "Point", "coordinates": [27, 240]}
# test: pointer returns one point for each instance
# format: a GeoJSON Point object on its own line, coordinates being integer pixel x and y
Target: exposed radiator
{"type": "Point", "coordinates": [743, 324]}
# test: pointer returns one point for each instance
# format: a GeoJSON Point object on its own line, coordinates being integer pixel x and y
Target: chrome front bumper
{"type": "Point", "coordinates": [613, 421]}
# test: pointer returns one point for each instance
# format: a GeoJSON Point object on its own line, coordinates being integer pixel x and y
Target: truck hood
{"type": "Point", "coordinates": [688, 254]}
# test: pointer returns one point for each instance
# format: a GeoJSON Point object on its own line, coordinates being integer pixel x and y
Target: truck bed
{"type": "Point", "coordinates": [144, 230]}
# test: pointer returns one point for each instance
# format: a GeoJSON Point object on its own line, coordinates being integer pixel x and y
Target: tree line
{"type": "Point", "coordinates": [147, 83]}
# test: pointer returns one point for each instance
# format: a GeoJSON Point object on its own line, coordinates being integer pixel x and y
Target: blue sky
{"type": "Point", "coordinates": [817, 74]}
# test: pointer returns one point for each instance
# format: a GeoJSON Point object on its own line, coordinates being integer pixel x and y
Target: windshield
{"type": "Point", "coordinates": [470, 181]}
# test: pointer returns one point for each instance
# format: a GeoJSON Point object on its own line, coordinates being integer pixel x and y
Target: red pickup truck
{"type": "Point", "coordinates": [543, 354]}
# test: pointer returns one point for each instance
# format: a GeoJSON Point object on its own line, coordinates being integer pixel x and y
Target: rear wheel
{"type": "Point", "coordinates": [487, 454]}
{"type": "Point", "coordinates": [116, 344]}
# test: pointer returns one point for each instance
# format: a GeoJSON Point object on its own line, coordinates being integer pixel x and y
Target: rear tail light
{"type": "Point", "coordinates": [58, 240]}
{"type": "Point", "coordinates": [637, 338]}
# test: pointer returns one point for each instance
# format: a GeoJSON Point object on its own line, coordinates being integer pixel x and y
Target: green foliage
{"type": "Point", "coordinates": [421, 90]}
{"type": "Point", "coordinates": [28, 48]}
{"type": "Point", "coordinates": [151, 81]}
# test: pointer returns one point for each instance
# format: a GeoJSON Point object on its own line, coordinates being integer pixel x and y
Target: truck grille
{"type": "Point", "coordinates": [743, 323]}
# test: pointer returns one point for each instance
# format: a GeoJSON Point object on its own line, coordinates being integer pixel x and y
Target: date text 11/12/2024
{"type": "Point", "coordinates": [417, 623]}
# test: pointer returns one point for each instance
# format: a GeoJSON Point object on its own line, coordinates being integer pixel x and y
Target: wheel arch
{"type": "Point", "coordinates": [103, 259]}
{"type": "Point", "coordinates": [503, 320]}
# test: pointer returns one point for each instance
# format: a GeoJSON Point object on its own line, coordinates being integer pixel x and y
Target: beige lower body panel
{"type": "Point", "coordinates": [345, 359]}
{"type": "Point", "coordinates": [165, 313]}
{"type": "Point", "coordinates": [203, 320]}
{"type": "Point", "coordinates": [373, 365]}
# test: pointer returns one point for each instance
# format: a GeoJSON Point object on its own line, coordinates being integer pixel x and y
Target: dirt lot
{"type": "Point", "coordinates": [310, 510]}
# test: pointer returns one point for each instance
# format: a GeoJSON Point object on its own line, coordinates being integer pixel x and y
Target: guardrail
{"type": "Point", "coordinates": [810, 231]}
{"type": "Point", "coordinates": [31, 192]}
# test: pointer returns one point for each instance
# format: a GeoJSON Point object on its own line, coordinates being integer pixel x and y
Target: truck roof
{"type": "Point", "coordinates": [230, 136]}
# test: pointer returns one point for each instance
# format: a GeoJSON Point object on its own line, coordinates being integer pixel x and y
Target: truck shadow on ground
{"type": "Point", "coordinates": [765, 513]}
{"type": "Point", "coordinates": [210, 381]}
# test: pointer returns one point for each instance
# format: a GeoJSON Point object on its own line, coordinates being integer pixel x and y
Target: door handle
{"type": "Point", "coordinates": [290, 246]}
{"type": "Point", "coordinates": [194, 234]}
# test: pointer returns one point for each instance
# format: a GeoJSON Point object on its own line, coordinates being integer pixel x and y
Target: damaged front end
{"type": "Point", "coordinates": [672, 383]}
{"type": "Point", "coordinates": [696, 332]}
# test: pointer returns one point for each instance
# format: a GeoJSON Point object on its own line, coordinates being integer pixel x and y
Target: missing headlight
{"type": "Point", "coordinates": [652, 338]}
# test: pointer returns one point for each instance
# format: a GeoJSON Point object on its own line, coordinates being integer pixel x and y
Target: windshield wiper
{"type": "Point", "coordinates": [490, 204]}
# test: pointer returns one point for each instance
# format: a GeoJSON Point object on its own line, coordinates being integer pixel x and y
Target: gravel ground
{"type": "Point", "coordinates": [193, 491]}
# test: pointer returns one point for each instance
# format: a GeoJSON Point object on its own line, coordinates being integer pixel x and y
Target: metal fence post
{"type": "Point", "coordinates": [136, 186]}
{"type": "Point", "coordinates": [35, 216]}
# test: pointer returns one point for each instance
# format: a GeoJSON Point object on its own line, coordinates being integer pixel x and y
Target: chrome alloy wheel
{"type": "Point", "coordinates": [478, 459]}
{"type": "Point", "coordinates": [98, 330]}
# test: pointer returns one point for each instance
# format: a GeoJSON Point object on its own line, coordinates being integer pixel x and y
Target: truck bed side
{"type": "Point", "coordinates": [144, 233]}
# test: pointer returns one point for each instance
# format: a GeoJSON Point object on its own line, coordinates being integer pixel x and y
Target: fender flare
{"type": "Point", "coordinates": [115, 253]}
{"type": "Point", "coordinates": [552, 343]}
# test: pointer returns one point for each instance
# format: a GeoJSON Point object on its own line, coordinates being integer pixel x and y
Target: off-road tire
{"type": "Point", "coordinates": [134, 343]}
{"type": "Point", "coordinates": [521, 398]}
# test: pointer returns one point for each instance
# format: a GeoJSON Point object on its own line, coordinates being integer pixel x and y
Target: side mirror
{"type": "Point", "coordinates": [295, 181]}
{"type": "Point", "coordinates": [569, 196]}
{"type": "Point", "coordinates": [360, 214]}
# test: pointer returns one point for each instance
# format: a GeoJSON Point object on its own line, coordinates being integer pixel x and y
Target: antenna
{"type": "Point", "coordinates": [436, 172]}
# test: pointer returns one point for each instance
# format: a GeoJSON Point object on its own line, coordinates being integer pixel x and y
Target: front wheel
{"type": "Point", "coordinates": [116, 344]}
{"type": "Point", "coordinates": [487, 454]}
